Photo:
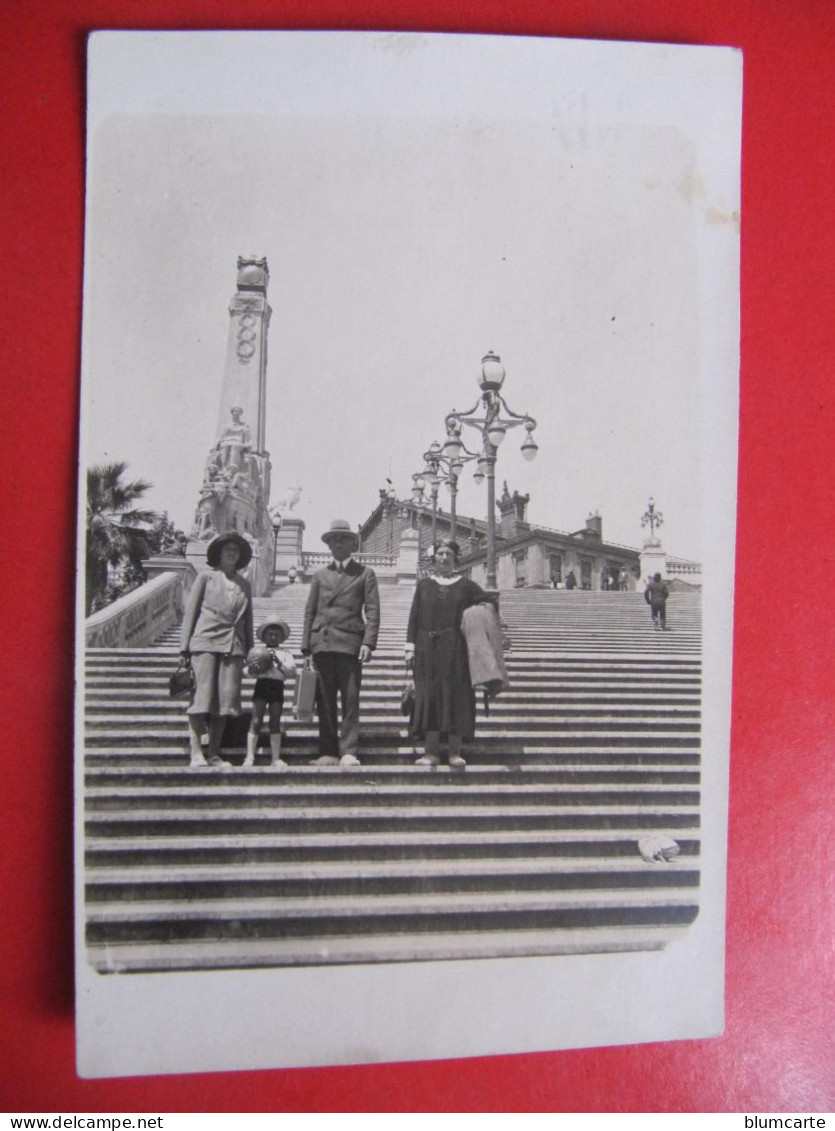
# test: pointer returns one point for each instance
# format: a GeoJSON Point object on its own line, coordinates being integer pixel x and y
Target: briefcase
{"type": "Point", "coordinates": [305, 694]}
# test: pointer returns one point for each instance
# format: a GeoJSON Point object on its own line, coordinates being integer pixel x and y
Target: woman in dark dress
{"type": "Point", "coordinates": [436, 649]}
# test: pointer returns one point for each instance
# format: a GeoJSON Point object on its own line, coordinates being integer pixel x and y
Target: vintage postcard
{"type": "Point", "coordinates": [406, 529]}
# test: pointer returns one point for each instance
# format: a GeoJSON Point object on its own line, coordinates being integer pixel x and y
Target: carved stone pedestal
{"type": "Point", "coordinates": [288, 548]}
{"type": "Point", "coordinates": [653, 560]}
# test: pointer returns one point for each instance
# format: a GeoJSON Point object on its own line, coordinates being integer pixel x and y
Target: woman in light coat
{"type": "Point", "coordinates": [216, 636]}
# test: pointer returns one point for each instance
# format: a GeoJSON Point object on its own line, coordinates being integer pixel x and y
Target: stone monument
{"type": "Point", "coordinates": [653, 555]}
{"type": "Point", "coordinates": [235, 492]}
{"type": "Point", "coordinates": [289, 531]}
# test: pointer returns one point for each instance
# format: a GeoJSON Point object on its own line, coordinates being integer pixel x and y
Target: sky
{"type": "Point", "coordinates": [402, 247]}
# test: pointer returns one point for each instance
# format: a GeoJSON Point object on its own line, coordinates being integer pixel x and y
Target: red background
{"type": "Point", "coordinates": [777, 1053]}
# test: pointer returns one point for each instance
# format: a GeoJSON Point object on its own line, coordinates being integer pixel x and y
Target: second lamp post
{"type": "Point", "coordinates": [492, 426]}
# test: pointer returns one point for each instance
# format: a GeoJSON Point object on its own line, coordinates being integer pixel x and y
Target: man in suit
{"type": "Point", "coordinates": [340, 640]}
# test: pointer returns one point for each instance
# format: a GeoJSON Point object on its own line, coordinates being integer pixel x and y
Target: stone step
{"type": "Point", "coordinates": [333, 916]}
{"type": "Point", "coordinates": [557, 717]}
{"type": "Point", "coordinates": [511, 743]}
{"type": "Point", "coordinates": [111, 958]}
{"type": "Point", "coordinates": [277, 880]}
{"type": "Point", "coordinates": [583, 814]}
{"type": "Point", "coordinates": [591, 658]}
{"type": "Point", "coordinates": [278, 791]}
{"type": "Point", "coordinates": [490, 754]}
{"type": "Point", "coordinates": [178, 850]}
{"type": "Point", "coordinates": [308, 777]}
{"type": "Point", "coordinates": [137, 698]}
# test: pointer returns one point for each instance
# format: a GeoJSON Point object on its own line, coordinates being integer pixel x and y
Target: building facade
{"type": "Point", "coordinates": [527, 556]}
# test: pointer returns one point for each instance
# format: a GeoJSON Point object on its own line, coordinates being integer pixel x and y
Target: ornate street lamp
{"type": "Point", "coordinates": [493, 427]}
{"type": "Point", "coordinates": [443, 464]}
{"type": "Point", "coordinates": [427, 483]}
{"type": "Point", "coordinates": [653, 519]}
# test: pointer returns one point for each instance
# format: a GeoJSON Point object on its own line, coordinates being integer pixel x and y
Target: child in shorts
{"type": "Point", "coordinates": [271, 666]}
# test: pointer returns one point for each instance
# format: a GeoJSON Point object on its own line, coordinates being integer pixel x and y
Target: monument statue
{"type": "Point", "coordinates": [288, 501]}
{"type": "Point", "coordinates": [235, 491]}
{"type": "Point", "coordinates": [235, 441]}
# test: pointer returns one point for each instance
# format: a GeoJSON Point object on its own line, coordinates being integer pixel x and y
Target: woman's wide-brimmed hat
{"type": "Point", "coordinates": [273, 622]}
{"type": "Point", "coordinates": [217, 544]}
{"type": "Point", "coordinates": [340, 527]}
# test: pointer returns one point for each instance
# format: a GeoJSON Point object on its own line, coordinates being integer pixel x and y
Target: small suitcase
{"type": "Point", "coordinates": [305, 694]}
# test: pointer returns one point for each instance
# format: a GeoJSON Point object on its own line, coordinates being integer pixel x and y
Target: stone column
{"type": "Point", "coordinates": [288, 547]}
{"type": "Point", "coordinates": [245, 372]}
{"type": "Point", "coordinates": [407, 557]}
{"type": "Point", "coordinates": [653, 560]}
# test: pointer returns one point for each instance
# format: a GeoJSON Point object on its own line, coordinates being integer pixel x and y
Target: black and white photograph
{"type": "Point", "coordinates": [407, 498]}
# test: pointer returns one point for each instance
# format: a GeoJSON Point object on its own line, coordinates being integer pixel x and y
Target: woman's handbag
{"type": "Point", "coordinates": [407, 699]}
{"type": "Point", "coordinates": [181, 683]}
{"type": "Point", "coordinates": [305, 695]}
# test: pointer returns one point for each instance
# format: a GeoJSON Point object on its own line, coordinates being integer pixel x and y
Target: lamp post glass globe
{"type": "Point", "coordinates": [491, 377]}
{"type": "Point", "coordinates": [452, 448]}
{"type": "Point", "coordinates": [495, 434]}
{"type": "Point", "coordinates": [529, 448]}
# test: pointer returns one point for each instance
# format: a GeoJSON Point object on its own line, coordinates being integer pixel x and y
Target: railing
{"type": "Point", "coordinates": [674, 566]}
{"type": "Point", "coordinates": [142, 615]}
{"type": "Point", "coordinates": [316, 560]}
{"type": "Point", "coordinates": [689, 572]}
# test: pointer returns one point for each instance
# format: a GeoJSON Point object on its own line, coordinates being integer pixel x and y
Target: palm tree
{"type": "Point", "coordinates": [114, 525]}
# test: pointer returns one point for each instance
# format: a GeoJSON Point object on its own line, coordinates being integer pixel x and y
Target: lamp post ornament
{"type": "Point", "coordinates": [653, 519]}
{"type": "Point", "coordinates": [493, 427]}
{"type": "Point", "coordinates": [442, 468]}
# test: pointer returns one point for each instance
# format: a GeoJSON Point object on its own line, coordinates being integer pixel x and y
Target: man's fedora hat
{"type": "Point", "coordinates": [273, 622]}
{"type": "Point", "coordinates": [217, 544]}
{"type": "Point", "coordinates": [339, 528]}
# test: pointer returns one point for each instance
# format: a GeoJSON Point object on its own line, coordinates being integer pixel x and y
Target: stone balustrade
{"type": "Point", "coordinates": [313, 561]}
{"type": "Point", "coordinates": [690, 572]}
{"type": "Point", "coordinates": [141, 616]}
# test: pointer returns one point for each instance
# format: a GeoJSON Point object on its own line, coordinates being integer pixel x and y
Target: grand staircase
{"type": "Point", "coordinates": [532, 850]}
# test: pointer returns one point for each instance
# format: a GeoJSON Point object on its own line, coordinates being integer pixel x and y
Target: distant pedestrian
{"type": "Point", "coordinates": [622, 579]}
{"type": "Point", "coordinates": [655, 595]}
{"type": "Point", "coordinates": [570, 580]}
